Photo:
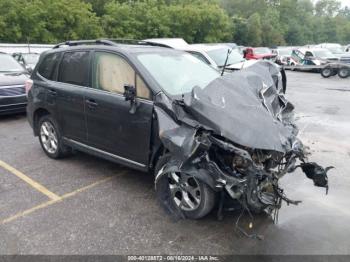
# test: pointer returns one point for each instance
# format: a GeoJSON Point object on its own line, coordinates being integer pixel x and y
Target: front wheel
{"type": "Point", "coordinates": [194, 198]}
{"type": "Point", "coordinates": [50, 138]}
{"type": "Point", "coordinates": [326, 72]}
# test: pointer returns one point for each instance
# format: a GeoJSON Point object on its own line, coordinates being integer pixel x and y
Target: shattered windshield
{"type": "Point", "coordinates": [9, 64]}
{"type": "Point", "coordinates": [219, 56]}
{"type": "Point", "coordinates": [178, 73]}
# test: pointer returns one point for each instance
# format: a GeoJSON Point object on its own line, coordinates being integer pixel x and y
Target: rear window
{"type": "Point", "coordinates": [74, 68]}
{"type": "Point", "coordinates": [47, 68]}
{"type": "Point", "coordinates": [9, 64]}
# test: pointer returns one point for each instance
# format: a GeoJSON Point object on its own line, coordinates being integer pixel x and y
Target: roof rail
{"type": "Point", "coordinates": [136, 42]}
{"type": "Point", "coordinates": [86, 42]}
{"type": "Point", "coordinates": [109, 42]}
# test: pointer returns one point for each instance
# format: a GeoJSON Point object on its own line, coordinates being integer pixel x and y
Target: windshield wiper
{"type": "Point", "coordinates": [229, 51]}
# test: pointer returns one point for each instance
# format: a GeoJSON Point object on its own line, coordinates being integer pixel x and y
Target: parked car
{"type": "Point", "coordinates": [319, 53]}
{"type": "Point", "coordinates": [163, 111]}
{"type": "Point", "coordinates": [12, 85]}
{"type": "Point", "coordinates": [28, 60]}
{"type": "Point", "coordinates": [258, 53]}
{"type": "Point", "coordinates": [284, 56]}
{"type": "Point", "coordinates": [180, 44]}
{"type": "Point", "coordinates": [306, 61]}
{"type": "Point", "coordinates": [211, 54]}
{"type": "Point", "coordinates": [337, 51]}
{"type": "Point", "coordinates": [218, 54]}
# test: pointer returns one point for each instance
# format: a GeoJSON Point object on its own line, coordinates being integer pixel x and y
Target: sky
{"type": "Point", "coordinates": [345, 2]}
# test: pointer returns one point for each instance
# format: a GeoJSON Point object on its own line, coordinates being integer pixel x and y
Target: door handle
{"type": "Point", "coordinates": [91, 103]}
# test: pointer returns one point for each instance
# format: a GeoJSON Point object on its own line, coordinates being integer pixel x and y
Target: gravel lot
{"type": "Point", "coordinates": [103, 208]}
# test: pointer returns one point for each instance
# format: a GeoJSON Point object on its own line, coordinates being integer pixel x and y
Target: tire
{"type": "Point", "coordinates": [344, 72]}
{"type": "Point", "coordinates": [293, 67]}
{"type": "Point", "coordinates": [203, 202]}
{"type": "Point", "coordinates": [50, 138]}
{"type": "Point", "coordinates": [327, 72]}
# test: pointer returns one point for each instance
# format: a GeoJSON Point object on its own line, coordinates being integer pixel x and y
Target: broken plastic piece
{"type": "Point", "coordinates": [316, 173]}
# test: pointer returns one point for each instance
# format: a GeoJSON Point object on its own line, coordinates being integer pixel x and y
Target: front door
{"type": "Point", "coordinates": [110, 125]}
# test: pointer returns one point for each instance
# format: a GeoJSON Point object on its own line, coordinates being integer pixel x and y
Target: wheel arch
{"type": "Point", "coordinates": [39, 113]}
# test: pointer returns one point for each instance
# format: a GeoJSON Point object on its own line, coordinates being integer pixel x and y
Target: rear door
{"type": "Point", "coordinates": [73, 78]}
{"type": "Point", "coordinates": [110, 125]}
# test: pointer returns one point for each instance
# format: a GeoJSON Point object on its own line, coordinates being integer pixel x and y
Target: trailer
{"type": "Point", "coordinates": [331, 69]}
{"type": "Point", "coordinates": [326, 70]}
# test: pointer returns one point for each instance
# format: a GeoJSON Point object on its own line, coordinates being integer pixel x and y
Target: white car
{"type": "Point", "coordinates": [212, 54]}
{"type": "Point", "coordinates": [319, 53]}
{"type": "Point", "coordinates": [336, 50]}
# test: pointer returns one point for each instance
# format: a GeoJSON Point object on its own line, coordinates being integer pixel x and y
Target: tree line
{"type": "Point", "coordinates": [245, 22]}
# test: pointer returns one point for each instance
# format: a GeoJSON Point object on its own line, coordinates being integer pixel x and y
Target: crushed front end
{"type": "Point", "coordinates": [237, 136]}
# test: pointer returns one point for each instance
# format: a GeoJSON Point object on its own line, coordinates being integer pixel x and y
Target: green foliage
{"type": "Point", "coordinates": [254, 31]}
{"type": "Point", "coordinates": [47, 21]}
{"type": "Point", "coordinates": [247, 22]}
{"type": "Point", "coordinates": [196, 22]}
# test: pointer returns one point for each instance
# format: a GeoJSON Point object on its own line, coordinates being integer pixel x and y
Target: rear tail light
{"type": "Point", "coordinates": [28, 85]}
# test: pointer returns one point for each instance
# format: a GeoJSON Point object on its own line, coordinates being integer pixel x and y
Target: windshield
{"type": "Point", "coordinates": [219, 56]}
{"type": "Point", "coordinates": [178, 73]}
{"type": "Point", "coordinates": [323, 53]}
{"type": "Point", "coordinates": [285, 52]}
{"type": "Point", "coordinates": [31, 58]}
{"type": "Point", "coordinates": [9, 64]}
{"type": "Point", "coordinates": [262, 50]}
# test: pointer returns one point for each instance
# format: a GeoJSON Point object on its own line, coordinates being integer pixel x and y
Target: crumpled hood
{"type": "Point", "coordinates": [247, 108]}
{"type": "Point", "coordinates": [15, 78]}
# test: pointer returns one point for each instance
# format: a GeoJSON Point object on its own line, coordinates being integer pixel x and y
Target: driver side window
{"type": "Point", "coordinates": [112, 72]}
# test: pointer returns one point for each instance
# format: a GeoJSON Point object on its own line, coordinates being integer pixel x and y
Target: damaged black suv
{"type": "Point", "coordinates": [206, 137]}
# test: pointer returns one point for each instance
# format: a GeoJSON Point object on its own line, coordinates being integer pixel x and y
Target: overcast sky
{"type": "Point", "coordinates": [345, 2]}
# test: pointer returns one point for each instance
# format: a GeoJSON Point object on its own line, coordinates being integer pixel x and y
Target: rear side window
{"type": "Point", "coordinates": [74, 68]}
{"type": "Point", "coordinates": [47, 68]}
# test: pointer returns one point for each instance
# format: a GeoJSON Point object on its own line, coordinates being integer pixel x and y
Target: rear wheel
{"type": "Point", "coordinates": [50, 138]}
{"type": "Point", "coordinates": [193, 197]}
{"type": "Point", "coordinates": [344, 72]}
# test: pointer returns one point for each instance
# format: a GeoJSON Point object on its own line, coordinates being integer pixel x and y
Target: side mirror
{"type": "Point", "coordinates": [30, 70]}
{"type": "Point", "coordinates": [130, 95]}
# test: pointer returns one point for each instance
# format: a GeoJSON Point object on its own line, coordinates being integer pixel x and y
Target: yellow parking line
{"type": "Point", "coordinates": [30, 181]}
{"type": "Point", "coordinates": [51, 202]}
